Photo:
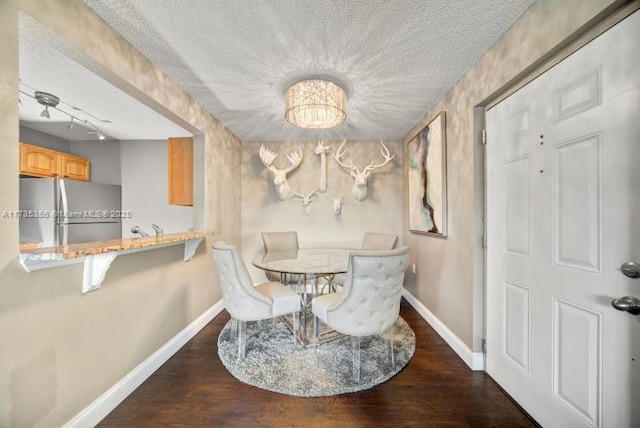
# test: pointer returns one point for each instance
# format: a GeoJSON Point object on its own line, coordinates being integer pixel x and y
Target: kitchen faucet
{"type": "Point", "coordinates": [136, 229]}
{"type": "Point", "coordinates": [158, 230]}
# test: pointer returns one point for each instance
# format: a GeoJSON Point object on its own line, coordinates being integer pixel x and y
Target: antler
{"type": "Point", "coordinates": [295, 158]}
{"type": "Point", "coordinates": [306, 198]}
{"type": "Point", "coordinates": [387, 158]}
{"type": "Point", "coordinates": [337, 155]}
{"type": "Point", "coordinates": [313, 192]}
{"type": "Point", "coordinates": [267, 157]}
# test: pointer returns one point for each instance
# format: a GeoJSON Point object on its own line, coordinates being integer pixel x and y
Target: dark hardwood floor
{"type": "Point", "coordinates": [435, 389]}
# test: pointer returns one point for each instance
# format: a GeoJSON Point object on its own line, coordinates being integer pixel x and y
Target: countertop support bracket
{"type": "Point", "coordinates": [190, 248]}
{"type": "Point", "coordinates": [95, 269]}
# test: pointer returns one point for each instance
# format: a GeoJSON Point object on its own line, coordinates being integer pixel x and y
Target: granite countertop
{"type": "Point", "coordinates": [92, 248]}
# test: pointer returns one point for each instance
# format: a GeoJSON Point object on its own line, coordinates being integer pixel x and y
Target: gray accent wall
{"type": "Point", "coordinates": [41, 139]}
{"type": "Point", "coordinates": [145, 192]}
{"type": "Point", "coordinates": [104, 157]}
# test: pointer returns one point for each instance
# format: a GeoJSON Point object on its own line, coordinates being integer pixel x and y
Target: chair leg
{"type": "Point", "coordinates": [296, 325]}
{"type": "Point", "coordinates": [316, 332]}
{"type": "Point", "coordinates": [355, 348]}
{"type": "Point", "coordinates": [242, 339]}
{"type": "Point", "coordinates": [234, 327]}
{"type": "Point", "coordinates": [391, 333]}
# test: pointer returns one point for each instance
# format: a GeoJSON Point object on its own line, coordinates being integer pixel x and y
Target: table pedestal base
{"type": "Point", "coordinates": [305, 333]}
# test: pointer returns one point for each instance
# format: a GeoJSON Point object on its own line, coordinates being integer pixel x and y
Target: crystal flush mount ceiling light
{"type": "Point", "coordinates": [315, 104]}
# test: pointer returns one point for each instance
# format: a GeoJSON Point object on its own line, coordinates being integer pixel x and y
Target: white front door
{"type": "Point", "coordinates": [563, 215]}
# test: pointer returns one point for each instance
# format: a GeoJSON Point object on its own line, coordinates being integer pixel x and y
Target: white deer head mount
{"type": "Point", "coordinates": [306, 199]}
{"type": "Point", "coordinates": [337, 205]}
{"type": "Point", "coordinates": [283, 189]}
{"type": "Point", "coordinates": [359, 190]}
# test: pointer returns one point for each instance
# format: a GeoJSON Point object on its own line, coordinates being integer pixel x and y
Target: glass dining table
{"type": "Point", "coordinates": [309, 271]}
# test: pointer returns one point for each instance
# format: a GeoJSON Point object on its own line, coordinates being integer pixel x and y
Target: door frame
{"type": "Point", "coordinates": [607, 19]}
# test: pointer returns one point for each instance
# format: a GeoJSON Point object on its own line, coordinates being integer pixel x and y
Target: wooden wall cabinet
{"type": "Point", "coordinates": [38, 161]}
{"type": "Point", "coordinates": [180, 156]}
{"type": "Point", "coordinates": [74, 167]}
{"type": "Point", "coordinates": [42, 162]}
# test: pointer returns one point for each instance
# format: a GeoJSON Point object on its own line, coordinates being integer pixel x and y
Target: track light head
{"type": "Point", "coordinates": [45, 113]}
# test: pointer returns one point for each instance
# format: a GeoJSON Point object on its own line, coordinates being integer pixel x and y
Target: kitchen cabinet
{"type": "Point", "coordinates": [74, 167]}
{"type": "Point", "coordinates": [38, 161]}
{"type": "Point", "coordinates": [180, 156]}
{"type": "Point", "coordinates": [42, 162]}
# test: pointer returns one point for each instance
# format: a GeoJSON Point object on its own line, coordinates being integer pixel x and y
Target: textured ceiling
{"type": "Point", "coordinates": [45, 67]}
{"type": "Point", "coordinates": [237, 57]}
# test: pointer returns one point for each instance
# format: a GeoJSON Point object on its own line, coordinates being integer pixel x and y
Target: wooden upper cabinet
{"type": "Point", "coordinates": [74, 167]}
{"type": "Point", "coordinates": [42, 162]}
{"type": "Point", "coordinates": [181, 171]}
{"type": "Point", "coordinates": [38, 161]}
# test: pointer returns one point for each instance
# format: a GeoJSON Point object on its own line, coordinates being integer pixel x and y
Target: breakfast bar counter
{"type": "Point", "coordinates": [73, 251]}
{"type": "Point", "coordinates": [97, 256]}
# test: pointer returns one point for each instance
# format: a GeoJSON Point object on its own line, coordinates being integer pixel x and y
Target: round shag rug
{"type": "Point", "coordinates": [275, 363]}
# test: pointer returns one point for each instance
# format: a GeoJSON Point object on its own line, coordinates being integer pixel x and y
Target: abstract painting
{"type": "Point", "coordinates": [427, 158]}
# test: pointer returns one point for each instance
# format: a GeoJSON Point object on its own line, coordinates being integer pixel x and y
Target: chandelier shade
{"type": "Point", "coordinates": [315, 104]}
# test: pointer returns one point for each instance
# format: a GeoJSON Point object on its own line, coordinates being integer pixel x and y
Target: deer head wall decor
{"type": "Point", "coordinates": [283, 189]}
{"type": "Point", "coordinates": [359, 190]}
{"type": "Point", "coordinates": [306, 199]}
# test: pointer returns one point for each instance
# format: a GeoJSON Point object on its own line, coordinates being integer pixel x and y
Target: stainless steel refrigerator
{"type": "Point", "coordinates": [59, 212]}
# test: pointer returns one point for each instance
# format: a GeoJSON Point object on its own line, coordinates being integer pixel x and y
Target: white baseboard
{"type": "Point", "coordinates": [96, 411]}
{"type": "Point", "coordinates": [475, 360]}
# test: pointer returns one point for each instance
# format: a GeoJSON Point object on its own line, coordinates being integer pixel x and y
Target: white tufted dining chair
{"type": "Point", "coordinates": [379, 241]}
{"type": "Point", "coordinates": [282, 241]}
{"type": "Point", "coordinates": [369, 302]}
{"type": "Point", "coordinates": [279, 241]}
{"type": "Point", "coordinates": [371, 241]}
{"type": "Point", "coordinates": [246, 302]}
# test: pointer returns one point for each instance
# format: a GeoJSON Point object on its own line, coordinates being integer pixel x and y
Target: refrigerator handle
{"type": "Point", "coordinates": [60, 206]}
{"type": "Point", "coordinates": [64, 230]}
{"type": "Point", "coordinates": [63, 199]}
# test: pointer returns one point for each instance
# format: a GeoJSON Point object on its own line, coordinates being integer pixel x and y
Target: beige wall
{"type": "Point", "coordinates": [449, 280]}
{"type": "Point", "coordinates": [60, 349]}
{"type": "Point", "coordinates": [263, 211]}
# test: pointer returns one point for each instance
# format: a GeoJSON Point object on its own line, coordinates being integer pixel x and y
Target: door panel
{"type": "Point", "coordinates": [518, 206]}
{"type": "Point", "coordinates": [563, 197]}
{"type": "Point", "coordinates": [516, 313]}
{"type": "Point", "coordinates": [576, 359]}
{"type": "Point", "coordinates": [577, 207]}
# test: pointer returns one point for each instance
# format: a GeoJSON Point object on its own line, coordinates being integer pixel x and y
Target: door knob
{"type": "Point", "coordinates": [630, 269]}
{"type": "Point", "coordinates": [628, 304]}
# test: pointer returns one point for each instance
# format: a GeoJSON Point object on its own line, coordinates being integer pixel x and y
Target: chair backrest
{"type": "Point", "coordinates": [370, 301]}
{"type": "Point", "coordinates": [241, 299]}
{"type": "Point", "coordinates": [279, 241]}
{"type": "Point", "coordinates": [379, 241]}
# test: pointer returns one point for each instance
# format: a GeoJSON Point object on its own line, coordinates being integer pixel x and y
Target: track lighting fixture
{"type": "Point", "coordinates": [47, 100]}
{"type": "Point", "coordinates": [50, 100]}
